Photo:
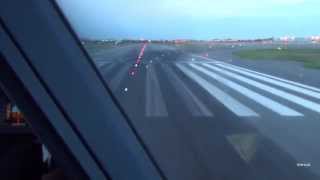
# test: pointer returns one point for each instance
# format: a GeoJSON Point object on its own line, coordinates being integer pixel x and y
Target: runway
{"type": "Point", "coordinates": [207, 118]}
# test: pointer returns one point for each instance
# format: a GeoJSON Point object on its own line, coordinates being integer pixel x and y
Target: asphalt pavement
{"type": "Point", "coordinates": [216, 117]}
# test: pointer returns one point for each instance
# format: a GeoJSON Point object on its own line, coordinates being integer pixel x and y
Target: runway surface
{"type": "Point", "coordinates": [209, 118]}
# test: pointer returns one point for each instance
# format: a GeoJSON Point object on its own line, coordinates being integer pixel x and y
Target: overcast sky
{"type": "Point", "coordinates": [192, 19]}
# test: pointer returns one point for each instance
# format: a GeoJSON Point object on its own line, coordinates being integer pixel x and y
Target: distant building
{"type": "Point", "coordinates": [243, 41]}
{"type": "Point", "coordinates": [287, 38]}
{"type": "Point", "coordinates": [315, 39]}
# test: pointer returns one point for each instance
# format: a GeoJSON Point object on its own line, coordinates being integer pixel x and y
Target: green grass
{"type": "Point", "coordinates": [310, 57]}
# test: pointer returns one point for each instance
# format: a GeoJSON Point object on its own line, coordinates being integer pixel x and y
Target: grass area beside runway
{"type": "Point", "coordinates": [204, 47]}
{"type": "Point", "coordinates": [309, 57]}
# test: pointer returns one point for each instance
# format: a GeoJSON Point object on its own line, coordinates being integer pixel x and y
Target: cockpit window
{"type": "Point", "coordinates": [216, 89]}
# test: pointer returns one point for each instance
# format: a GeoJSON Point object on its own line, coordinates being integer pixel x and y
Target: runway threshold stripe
{"type": "Point", "coordinates": [282, 94]}
{"type": "Point", "coordinates": [194, 105]}
{"type": "Point", "coordinates": [273, 77]}
{"type": "Point", "coordinates": [260, 99]}
{"type": "Point", "coordinates": [155, 105]}
{"type": "Point", "coordinates": [275, 82]}
{"type": "Point", "coordinates": [231, 103]}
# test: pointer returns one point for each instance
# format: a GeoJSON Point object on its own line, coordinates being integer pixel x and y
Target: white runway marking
{"type": "Point", "coordinates": [195, 106]}
{"type": "Point", "coordinates": [282, 94]}
{"type": "Point", "coordinates": [275, 82]}
{"type": "Point", "coordinates": [155, 105]}
{"type": "Point", "coordinates": [273, 77]}
{"type": "Point", "coordinates": [231, 103]}
{"type": "Point", "coordinates": [262, 100]}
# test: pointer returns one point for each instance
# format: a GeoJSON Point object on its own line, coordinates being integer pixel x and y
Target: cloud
{"type": "Point", "coordinates": [190, 18]}
{"type": "Point", "coordinates": [228, 8]}
{"type": "Point", "coordinates": [287, 2]}
{"type": "Point", "coordinates": [122, 9]}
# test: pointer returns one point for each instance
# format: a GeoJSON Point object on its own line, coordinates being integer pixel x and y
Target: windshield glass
{"type": "Point", "coordinates": [221, 90]}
